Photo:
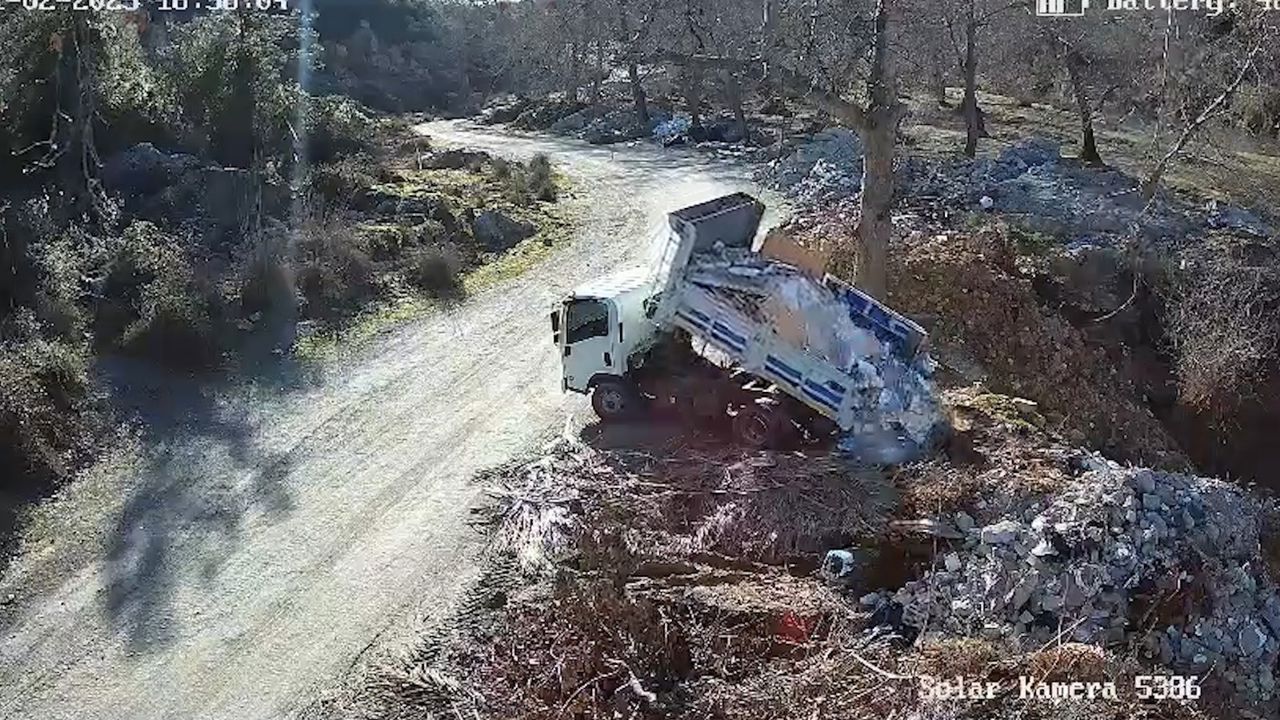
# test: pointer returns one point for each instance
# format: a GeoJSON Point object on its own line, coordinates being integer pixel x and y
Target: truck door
{"type": "Point", "coordinates": [588, 343]}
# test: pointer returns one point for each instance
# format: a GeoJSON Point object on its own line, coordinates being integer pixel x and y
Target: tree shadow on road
{"type": "Point", "coordinates": [204, 471]}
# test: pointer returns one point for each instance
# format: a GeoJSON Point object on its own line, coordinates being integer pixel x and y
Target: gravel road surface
{"type": "Point", "coordinates": [254, 540]}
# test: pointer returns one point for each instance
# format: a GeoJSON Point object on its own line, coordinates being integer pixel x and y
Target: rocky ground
{"type": "Point", "coordinates": [1061, 535]}
{"type": "Point", "coordinates": [694, 581]}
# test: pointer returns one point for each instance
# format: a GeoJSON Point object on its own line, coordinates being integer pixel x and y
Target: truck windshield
{"type": "Point", "coordinates": [586, 319]}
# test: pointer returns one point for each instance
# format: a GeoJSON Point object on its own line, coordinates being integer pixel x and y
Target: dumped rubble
{"type": "Point", "coordinates": [820, 170]}
{"type": "Point", "coordinates": [1122, 556]}
{"type": "Point", "coordinates": [1029, 182]}
{"type": "Point", "coordinates": [674, 583]}
{"type": "Point", "coordinates": [899, 413]}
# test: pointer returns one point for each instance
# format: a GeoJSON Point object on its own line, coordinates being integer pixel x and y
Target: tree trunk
{"type": "Point", "coordinates": [637, 94]}
{"type": "Point", "coordinates": [597, 76]}
{"type": "Point", "coordinates": [937, 75]}
{"type": "Point", "coordinates": [633, 69]}
{"type": "Point", "coordinates": [693, 96]}
{"type": "Point", "coordinates": [733, 93]}
{"type": "Point", "coordinates": [573, 75]}
{"type": "Point", "coordinates": [876, 227]}
{"type": "Point", "coordinates": [1088, 144]}
{"type": "Point", "coordinates": [879, 135]}
{"type": "Point", "coordinates": [972, 115]}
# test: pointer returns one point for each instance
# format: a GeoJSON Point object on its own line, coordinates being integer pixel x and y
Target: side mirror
{"type": "Point", "coordinates": [555, 326]}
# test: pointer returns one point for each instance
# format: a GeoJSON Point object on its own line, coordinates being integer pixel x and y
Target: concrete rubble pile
{"type": "Point", "coordinates": [1121, 556]}
{"type": "Point", "coordinates": [902, 414]}
{"type": "Point", "coordinates": [1029, 181]}
{"type": "Point", "coordinates": [820, 170]}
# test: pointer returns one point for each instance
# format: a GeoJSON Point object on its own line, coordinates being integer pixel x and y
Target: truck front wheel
{"type": "Point", "coordinates": [614, 400]}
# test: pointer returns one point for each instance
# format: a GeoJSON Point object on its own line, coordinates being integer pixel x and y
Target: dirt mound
{"type": "Point", "coordinates": [986, 324]}
{"type": "Point", "coordinates": [1001, 454]}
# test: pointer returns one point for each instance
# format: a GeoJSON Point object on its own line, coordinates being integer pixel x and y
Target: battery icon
{"type": "Point", "coordinates": [1061, 8]}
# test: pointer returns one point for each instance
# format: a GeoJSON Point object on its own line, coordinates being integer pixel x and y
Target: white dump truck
{"type": "Point", "coordinates": [714, 329]}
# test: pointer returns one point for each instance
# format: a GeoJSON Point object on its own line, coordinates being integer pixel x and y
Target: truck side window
{"type": "Point", "coordinates": [586, 319]}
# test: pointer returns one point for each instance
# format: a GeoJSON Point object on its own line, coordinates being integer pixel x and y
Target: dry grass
{"type": "Point", "coordinates": [1213, 167]}
{"type": "Point", "coordinates": [1224, 323]}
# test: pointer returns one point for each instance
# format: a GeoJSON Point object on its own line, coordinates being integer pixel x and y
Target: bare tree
{"type": "Point", "coordinates": [969, 19]}
{"type": "Point", "coordinates": [1076, 66]}
{"type": "Point", "coordinates": [630, 42]}
{"type": "Point", "coordinates": [1216, 107]}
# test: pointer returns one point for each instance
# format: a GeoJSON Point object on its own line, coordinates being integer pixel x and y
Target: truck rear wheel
{"type": "Point", "coordinates": [757, 426]}
{"type": "Point", "coordinates": [614, 400]}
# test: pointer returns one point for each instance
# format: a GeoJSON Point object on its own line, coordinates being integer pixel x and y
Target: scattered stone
{"type": "Point", "coordinates": [840, 567]}
{"type": "Point", "coordinates": [1252, 640]}
{"type": "Point", "coordinates": [1044, 548]}
{"type": "Point", "coordinates": [1000, 533]}
{"type": "Point", "coordinates": [504, 109]}
{"type": "Point", "coordinates": [1080, 558]}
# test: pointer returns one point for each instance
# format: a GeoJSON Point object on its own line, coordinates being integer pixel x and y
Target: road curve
{"type": "Point", "coordinates": [264, 535]}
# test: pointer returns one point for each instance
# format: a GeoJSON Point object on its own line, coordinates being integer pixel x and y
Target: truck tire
{"type": "Point", "coordinates": [757, 426]}
{"type": "Point", "coordinates": [614, 400]}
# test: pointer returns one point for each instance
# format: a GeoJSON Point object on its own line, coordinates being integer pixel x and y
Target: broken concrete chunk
{"type": "Point", "coordinates": [840, 567]}
{"type": "Point", "coordinates": [1000, 533]}
{"type": "Point", "coordinates": [1251, 640]}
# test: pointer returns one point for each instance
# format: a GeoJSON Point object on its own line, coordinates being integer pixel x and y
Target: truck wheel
{"type": "Point", "coordinates": [613, 400]}
{"type": "Point", "coordinates": [756, 426]}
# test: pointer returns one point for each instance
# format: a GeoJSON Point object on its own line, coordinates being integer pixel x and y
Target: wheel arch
{"type": "Point", "coordinates": [604, 377]}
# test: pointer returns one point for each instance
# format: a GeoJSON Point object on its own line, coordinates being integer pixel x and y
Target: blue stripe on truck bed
{"type": "Point", "coordinates": [818, 397]}
{"type": "Point", "coordinates": [722, 336]}
{"type": "Point", "coordinates": [828, 395]}
{"type": "Point", "coordinates": [729, 333]}
{"type": "Point", "coordinates": [692, 320]}
{"type": "Point", "coordinates": [781, 368]}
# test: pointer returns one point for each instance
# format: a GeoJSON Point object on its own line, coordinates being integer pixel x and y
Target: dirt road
{"type": "Point", "coordinates": [260, 537]}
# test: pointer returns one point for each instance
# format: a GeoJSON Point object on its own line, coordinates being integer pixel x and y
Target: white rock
{"type": "Point", "coordinates": [1043, 549]}
{"type": "Point", "coordinates": [1001, 532]}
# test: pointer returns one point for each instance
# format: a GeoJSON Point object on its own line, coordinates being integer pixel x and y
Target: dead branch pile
{"type": "Point", "coordinates": [764, 507]}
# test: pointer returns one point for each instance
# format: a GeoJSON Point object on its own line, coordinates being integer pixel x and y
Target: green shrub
{"type": "Point", "coordinates": [45, 415]}
{"type": "Point", "coordinates": [523, 184]}
{"type": "Point", "coordinates": [153, 305]}
{"type": "Point", "coordinates": [347, 181]}
{"type": "Point", "coordinates": [333, 271]}
{"type": "Point", "coordinates": [267, 284]}
{"type": "Point", "coordinates": [436, 271]}
{"type": "Point", "coordinates": [338, 126]}
{"type": "Point", "coordinates": [541, 179]}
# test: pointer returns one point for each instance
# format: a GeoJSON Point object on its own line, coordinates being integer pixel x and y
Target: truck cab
{"type": "Point", "coordinates": [601, 329]}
